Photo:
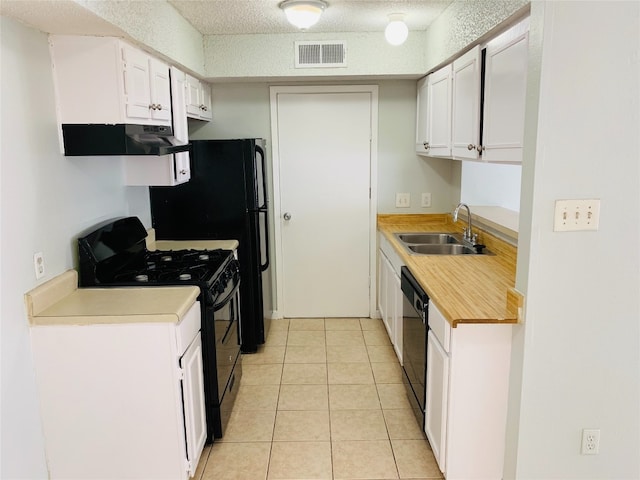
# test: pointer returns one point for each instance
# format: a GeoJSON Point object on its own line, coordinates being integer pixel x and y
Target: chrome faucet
{"type": "Point", "coordinates": [468, 234]}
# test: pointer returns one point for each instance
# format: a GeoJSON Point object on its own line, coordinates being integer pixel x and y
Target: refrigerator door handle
{"type": "Point", "coordinates": [260, 152]}
{"type": "Point", "coordinates": [265, 265]}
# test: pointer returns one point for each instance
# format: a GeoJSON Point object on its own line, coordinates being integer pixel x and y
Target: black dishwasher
{"type": "Point", "coordinates": [415, 325]}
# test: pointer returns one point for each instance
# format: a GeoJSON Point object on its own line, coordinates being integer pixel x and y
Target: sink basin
{"type": "Point", "coordinates": [442, 249]}
{"type": "Point", "coordinates": [428, 238]}
{"type": "Point", "coordinates": [436, 243]}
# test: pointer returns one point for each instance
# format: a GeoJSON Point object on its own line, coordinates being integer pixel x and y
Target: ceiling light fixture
{"type": "Point", "coordinates": [303, 13]}
{"type": "Point", "coordinates": [396, 32]}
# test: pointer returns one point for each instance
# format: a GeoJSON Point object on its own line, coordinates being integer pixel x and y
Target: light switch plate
{"type": "Point", "coordinates": [403, 200]}
{"type": "Point", "coordinates": [576, 215]}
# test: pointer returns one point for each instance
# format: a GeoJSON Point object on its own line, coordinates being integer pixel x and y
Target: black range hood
{"type": "Point", "coordinates": [120, 139]}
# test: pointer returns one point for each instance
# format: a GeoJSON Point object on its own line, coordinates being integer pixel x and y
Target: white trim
{"type": "Point", "coordinates": [373, 181]}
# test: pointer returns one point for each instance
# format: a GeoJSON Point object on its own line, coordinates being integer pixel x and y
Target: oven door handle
{"type": "Point", "coordinates": [216, 306]}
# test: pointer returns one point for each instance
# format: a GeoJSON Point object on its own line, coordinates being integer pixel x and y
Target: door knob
{"type": "Point", "coordinates": [287, 216]}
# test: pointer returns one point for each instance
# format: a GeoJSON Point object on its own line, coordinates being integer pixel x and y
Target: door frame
{"type": "Point", "coordinates": [274, 91]}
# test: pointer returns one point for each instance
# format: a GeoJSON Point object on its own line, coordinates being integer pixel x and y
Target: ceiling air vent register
{"type": "Point", "coordinates": [324, 54]}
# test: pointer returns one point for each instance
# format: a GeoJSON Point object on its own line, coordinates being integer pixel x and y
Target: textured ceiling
{"type": "Point", "coordinates": [228, 17]}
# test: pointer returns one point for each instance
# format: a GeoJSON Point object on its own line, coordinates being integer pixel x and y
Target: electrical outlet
{"type": "Point", "coordinates": [576, 215]}
{"type": "Point", "coordinates": [426, 200]}
{"type": "Point", "coordinates": [590, 442]}
{"type": "Point", "coordinates": [403, 200]}
{"type": "Point", "coordinates": [38, 263]}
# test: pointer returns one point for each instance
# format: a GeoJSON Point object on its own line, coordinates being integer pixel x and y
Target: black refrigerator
{"type": "Point", "coordinates": [226, 198]}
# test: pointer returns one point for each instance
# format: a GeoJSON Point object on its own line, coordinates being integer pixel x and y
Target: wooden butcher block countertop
{"type": "Point", "coordinates": [465, 288]}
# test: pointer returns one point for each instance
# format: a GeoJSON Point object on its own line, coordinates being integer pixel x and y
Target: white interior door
{"type": "Point", "coordinates": [322, 155]}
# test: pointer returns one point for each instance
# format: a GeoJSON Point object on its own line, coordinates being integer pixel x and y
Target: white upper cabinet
{"type": "Point", "coordinates": [439, 113]}
{"type": "Point", "coordinates": [465, 130]}
{"type": "Point", "coordinates": [160, 90]}
{"type": "Point", "coordinates": [198, 99]}
{"type": "Point", "coordinates": [165, 170]}
{"type": "Point", "coordinates": [205, 96]}
{"type": "Point", "coordinates": [504, 95]}
{"type": "Point", "coordinates": [474, 108]}
{"type": "Point", "coordinates": [421, 119]}
{"type": "Point", "coordinates": [105, 80]}
{"type": "Point", "coordinates": [433, 125]}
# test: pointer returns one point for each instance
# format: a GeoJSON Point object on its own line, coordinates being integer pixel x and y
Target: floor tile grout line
{"type": "Point", "coordinates": [331, 439]}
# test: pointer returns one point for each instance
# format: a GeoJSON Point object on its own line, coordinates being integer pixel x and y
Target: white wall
{"type": "Point", "coordinates": [46, 199]}
{"type": "Point", "coordinates": [156, 25]}
{"type": "Point", "coordinates": [235, 57]}
{"type": "Point", "coordinates": [491, 184]}
{"type": "Point", "coordinates": [463, 23]}
{"type": "Point", "coordinates": [576, 359]}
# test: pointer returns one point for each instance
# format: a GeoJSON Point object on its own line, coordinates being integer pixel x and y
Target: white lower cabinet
{"type": "Point", "coordinates": [466, 397]}
{"type": "Point", "coordinates": [435, 425]}
{"type": "Point", "coordinates": [121, 400]}
{"type": "Point", "coordinates": [390, 294]}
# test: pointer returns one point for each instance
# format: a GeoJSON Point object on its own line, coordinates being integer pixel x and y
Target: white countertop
{"type": "Point", "coordinates": [60, 302]}
{"type": "Point", "coordinates": [153, 244]}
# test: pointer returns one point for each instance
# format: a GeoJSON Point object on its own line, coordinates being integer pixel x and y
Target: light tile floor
{"type": "Point", "coordinates": [322, 399]}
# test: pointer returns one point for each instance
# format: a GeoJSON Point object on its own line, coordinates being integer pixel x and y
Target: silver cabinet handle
{"type": "Point", "coordinates": [471, 146]}
{"type": "Point", "coordinates": [287, 216]}
{"type": "Point", "coordinates": [426, 145]}
{"type": "Point", "coordinates": [183, 172]}
{"type": "Point", "coordinates": [480, 149]}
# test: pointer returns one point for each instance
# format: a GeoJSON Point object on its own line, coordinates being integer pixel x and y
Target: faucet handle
{"type": "Point", "coordinates": [474, 238]}
{"type": "Point", "coordinates": [465, 233]}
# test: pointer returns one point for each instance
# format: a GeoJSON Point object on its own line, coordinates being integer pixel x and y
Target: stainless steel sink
{"type": "Point", "coordinates": [442, 249]}
{"type": "Point", "coordinates": [428, 238]}
{"type": "Point", "coordinates": [437, 243]}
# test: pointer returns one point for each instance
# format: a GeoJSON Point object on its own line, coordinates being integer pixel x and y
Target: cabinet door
{"type": "Point", "coordinates": [396, 305]}
{"type": "Point", "coordinates": [205, 97]}
{"type": "Point", "coordinates": [439, 113]}
{"type": "Point", "coordinates": [387, 315]}
{"type": "Point", "coordinates": [193, 401]}
{"type": "Point", "coordinates": [382, 284]}
{"type": "Point", "coordinates": [435, 425]}
{"type": "Point", "coordinates": [137, 85]}
{"type": "Point", "coordinates": [160, 91]}
{"type": "Point", "coordinates": [422, 116]}
{"type": "Point", "coordinates": [193, 93]}
{"type": "Point", "coordinates": [505, 94]}
{"type": "Point", "coordinates": [465, 130]}
{"type": "Point", "coordinates": [182, 167]}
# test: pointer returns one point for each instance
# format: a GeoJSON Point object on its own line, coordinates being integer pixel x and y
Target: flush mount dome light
{"type": "Point", "coordinates": [303, 13]}
{"type": "Point", "coordinates": [396, 32]}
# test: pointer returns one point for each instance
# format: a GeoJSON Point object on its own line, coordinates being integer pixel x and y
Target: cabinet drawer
{"type": "Point", "coordinates": [440, 327]}
{"type": "Point", "coordinates": [188, 327]}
